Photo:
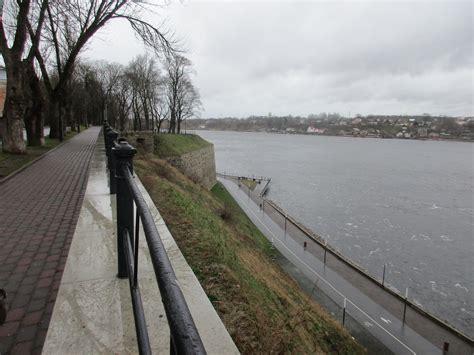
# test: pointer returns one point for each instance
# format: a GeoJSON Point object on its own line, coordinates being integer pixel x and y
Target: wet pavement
{"type": "Point", "coordinates": [39, 208]}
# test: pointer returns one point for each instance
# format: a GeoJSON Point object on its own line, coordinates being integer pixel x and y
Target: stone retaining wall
{"type": "Point", "coordinates": [199, 166]}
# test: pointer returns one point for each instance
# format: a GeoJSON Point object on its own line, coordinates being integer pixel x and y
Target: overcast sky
{"type": "Point", "coordinates": [309, 57]}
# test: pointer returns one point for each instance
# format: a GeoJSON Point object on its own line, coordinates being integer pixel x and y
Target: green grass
{"type": "Point", "coordinates": [241, 220]}
{"type": "Point", "coordinates": [170, 145]}
{"type": "Point", "coordinates": [263, 309]}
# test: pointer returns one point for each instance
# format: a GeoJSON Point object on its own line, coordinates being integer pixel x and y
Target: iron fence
{"type": "Point", "coordinates": [131, 210]}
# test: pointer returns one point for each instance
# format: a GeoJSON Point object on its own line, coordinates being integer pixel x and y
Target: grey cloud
{"type": "Point", "coordinates": [303, 57]}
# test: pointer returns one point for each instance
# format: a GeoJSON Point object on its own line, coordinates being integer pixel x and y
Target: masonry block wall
{"type": "Point", "coordinates": [199, 166]}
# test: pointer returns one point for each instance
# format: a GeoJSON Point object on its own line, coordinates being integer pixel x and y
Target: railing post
{"type": "Point", "coordinates": [106, 125]}
{"type": "Point", "coordinates": [107, 144]}
{"type": "Point", "coordinates": [112, 137]}
{"type": "Point", "coordinates": [123, 155]}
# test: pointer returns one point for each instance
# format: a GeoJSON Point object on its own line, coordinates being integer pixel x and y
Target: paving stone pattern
{"type": "Point", "coordinates": [39, 208]}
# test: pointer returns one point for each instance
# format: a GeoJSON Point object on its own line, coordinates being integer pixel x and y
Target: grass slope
{"type": "Point", "coordinates": [170, 145]}
{"type": "Point", "coordinates": [262, 307]}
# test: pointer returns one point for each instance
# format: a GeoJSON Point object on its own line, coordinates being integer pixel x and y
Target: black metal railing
{"type": "Point", "coordinates": [184, 336]}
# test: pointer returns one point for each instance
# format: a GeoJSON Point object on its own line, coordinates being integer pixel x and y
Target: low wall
{"type": "Point", "coordinates": [199, 166]}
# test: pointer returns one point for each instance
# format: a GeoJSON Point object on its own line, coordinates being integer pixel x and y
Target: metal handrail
{"type": "Point", "coordinates": [184, 334]}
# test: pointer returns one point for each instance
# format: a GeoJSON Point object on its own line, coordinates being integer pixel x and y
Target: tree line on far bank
{"type": "Point", "coordinates": [41, 42]}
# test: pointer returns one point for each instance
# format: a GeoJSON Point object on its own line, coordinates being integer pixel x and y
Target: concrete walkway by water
{"type": "Point", "coordinates": [380, 322]}
{"type": "Point", "coordinates": [39, 208]}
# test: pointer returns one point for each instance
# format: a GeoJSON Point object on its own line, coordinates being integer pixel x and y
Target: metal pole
{"type": "Point", "coordinates": [123, 155]}
{"type": "Point", "coordinates": [325, 250]}
{"type": "Point", "coordinates": [405, 306]}
{"type": "Point", "coordinates": [344, 313]}
{"type": "Point", "coordinates": [383, 276]}
{"type": "Point", "coordinates": [285, 224]}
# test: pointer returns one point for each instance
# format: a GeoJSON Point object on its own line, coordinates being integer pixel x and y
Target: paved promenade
{"type": "Point", "coordinates": [39, 208]}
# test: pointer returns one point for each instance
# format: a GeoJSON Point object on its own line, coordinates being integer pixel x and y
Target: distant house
{"type": "Point", "coordinates": [422, 133]}
{"type": "Point", "coordinates": [314, 130]}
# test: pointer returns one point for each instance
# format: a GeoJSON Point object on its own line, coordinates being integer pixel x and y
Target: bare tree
{"type": "Point", "coordinates": [70, 26]}
{"type": "Point", "coordinates": [182, 97]}
{"type": "Point", "coordinates": [189, 103]}
{"type": "Point", "coordinates": [145, 80]}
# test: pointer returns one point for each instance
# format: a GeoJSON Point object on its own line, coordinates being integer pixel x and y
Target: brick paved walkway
{"type": "Point", "coordinates": [39, 208]}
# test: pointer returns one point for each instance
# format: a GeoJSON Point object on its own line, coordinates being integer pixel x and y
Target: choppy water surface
{"type": "Point", "coordinates": [408, 204]}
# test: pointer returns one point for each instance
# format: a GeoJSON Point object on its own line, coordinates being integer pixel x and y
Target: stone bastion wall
{"type": "Point", "coordinates": [198, 165]}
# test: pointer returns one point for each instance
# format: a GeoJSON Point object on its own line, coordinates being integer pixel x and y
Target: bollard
{"type": "Point", "coordinates": [305, 245]}
{"type": "Point", "coordinates": [285, 224]}
{"type": "Point", "coordinates": [123, 154]}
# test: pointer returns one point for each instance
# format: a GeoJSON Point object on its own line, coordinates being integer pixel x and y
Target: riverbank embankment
{"type": "Point", "coordinates": [264, 310]}
{"type": "Point", "coordinates": [309, 250]}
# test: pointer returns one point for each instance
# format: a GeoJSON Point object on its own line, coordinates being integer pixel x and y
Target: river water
{"type": "Point", "coordinates": [404, 203]}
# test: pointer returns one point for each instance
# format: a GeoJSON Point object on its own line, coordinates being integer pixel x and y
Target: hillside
{"type": "Point", "coordinates": [170, 145]}
{"type": "Point", "coordinates": [262, 307]}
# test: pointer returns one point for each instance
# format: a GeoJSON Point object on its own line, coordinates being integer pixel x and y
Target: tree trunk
{"type": "Point", "coordinates": [57, 125]}
{"type": "Point", "coordinates": [14, 111]}
{"type": "Point", "coordinates": [34, 119]}
{"type": "Point", "coordinates": [54, 131]}
{"type": "Point", "coordinates": [179, 126]}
